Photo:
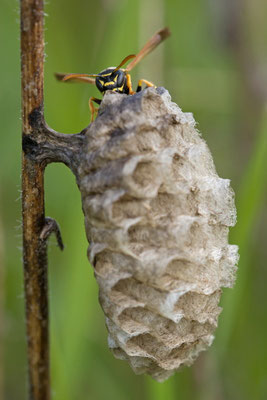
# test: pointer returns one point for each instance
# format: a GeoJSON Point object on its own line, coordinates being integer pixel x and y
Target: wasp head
{"type": "Point", "coordinates": [111, 79]}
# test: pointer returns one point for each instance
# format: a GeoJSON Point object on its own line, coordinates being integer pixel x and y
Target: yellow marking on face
{"type": "Point", "coordinates": [106, 74]}
{"type": "Point", "coordinates": [108, 83]}
{"type": "Point", "coordinates": [116, 78]}
{"type": "Point", "coordinates": [120, 89]}
{"type": "Point", "coordinates": [102, 82]}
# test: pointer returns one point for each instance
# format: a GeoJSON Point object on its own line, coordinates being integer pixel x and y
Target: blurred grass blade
{"type": "Point", "coordinates": [161, 391]}
{"type": "Point", "coordinates": [248, 201]}
{"type": "Point", "coordinates": [2, 321]}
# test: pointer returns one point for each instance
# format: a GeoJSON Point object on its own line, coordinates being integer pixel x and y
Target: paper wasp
{"type": "Point", "coordinates": [116, 78]}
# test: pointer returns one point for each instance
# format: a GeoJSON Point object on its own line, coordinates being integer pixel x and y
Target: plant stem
{"type": "Point", "coordinates": [34, 249]}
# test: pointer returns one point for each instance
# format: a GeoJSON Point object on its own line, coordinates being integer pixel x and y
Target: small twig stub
{"type": "Point", "coordinates": [51, 226]}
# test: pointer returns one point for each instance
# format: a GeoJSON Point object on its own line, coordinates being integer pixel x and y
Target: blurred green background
{"type": "Point", "coordinates": [214, 65]}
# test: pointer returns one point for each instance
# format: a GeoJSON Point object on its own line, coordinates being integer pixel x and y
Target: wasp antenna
{"type": "Point", "coordinates": [59, 76]}
{"type": "Point", "coordinates": [156, 39]}
{"type": "Point", "coordinates": [164, 33]}
{"type": "Point", "coordinates": [124, 61]}
{"type": "Point", "coordinates": [76, 77]}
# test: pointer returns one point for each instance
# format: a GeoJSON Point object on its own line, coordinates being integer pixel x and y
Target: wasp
{"type": "Point", "coordinates": [118, 79]}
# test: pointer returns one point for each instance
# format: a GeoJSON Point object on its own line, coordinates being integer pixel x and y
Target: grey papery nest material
{"type": "Point", "coordinates": [157, 217]}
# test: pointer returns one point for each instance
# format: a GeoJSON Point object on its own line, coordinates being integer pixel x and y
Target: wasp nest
{"type": "Point", "coordinates": [157, 218]}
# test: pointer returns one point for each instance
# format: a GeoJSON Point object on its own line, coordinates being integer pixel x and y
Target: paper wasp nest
{"type": "Point", "coordinates": [157, 218]}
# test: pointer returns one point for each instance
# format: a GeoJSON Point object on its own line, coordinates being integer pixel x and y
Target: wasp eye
{"type": "Point", "coordinates": [118, 77]}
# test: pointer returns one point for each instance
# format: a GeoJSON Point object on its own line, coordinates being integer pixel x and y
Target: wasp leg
{"type": "Point", "coordinates": [92, 107]}
{"type": "Point", "coordinates": [129, 84]}
{"type": "Point", "coordinates": [148, 84]}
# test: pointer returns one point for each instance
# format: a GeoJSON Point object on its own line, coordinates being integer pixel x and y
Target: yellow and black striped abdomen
{"type": "Point", "coordinates": [111, 79]}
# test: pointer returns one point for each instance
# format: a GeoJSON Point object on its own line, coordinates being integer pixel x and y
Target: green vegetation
{"type": "Point", "coordinates": [205, 76]}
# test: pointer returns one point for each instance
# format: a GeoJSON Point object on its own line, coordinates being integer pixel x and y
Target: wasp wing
{"type": "Point", "coordinates": [156, 39]}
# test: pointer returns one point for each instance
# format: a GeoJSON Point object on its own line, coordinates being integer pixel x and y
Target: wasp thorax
{"type": "Point", "coordinates": [157, 217]}
{"type": "Point", "coordinates": [111, 79]}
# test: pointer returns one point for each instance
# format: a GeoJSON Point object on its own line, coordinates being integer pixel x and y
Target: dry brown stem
{"type": "Point", "coordinates": [41, 145]}
{"type": "Point", "coordinates": [34, 251]}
